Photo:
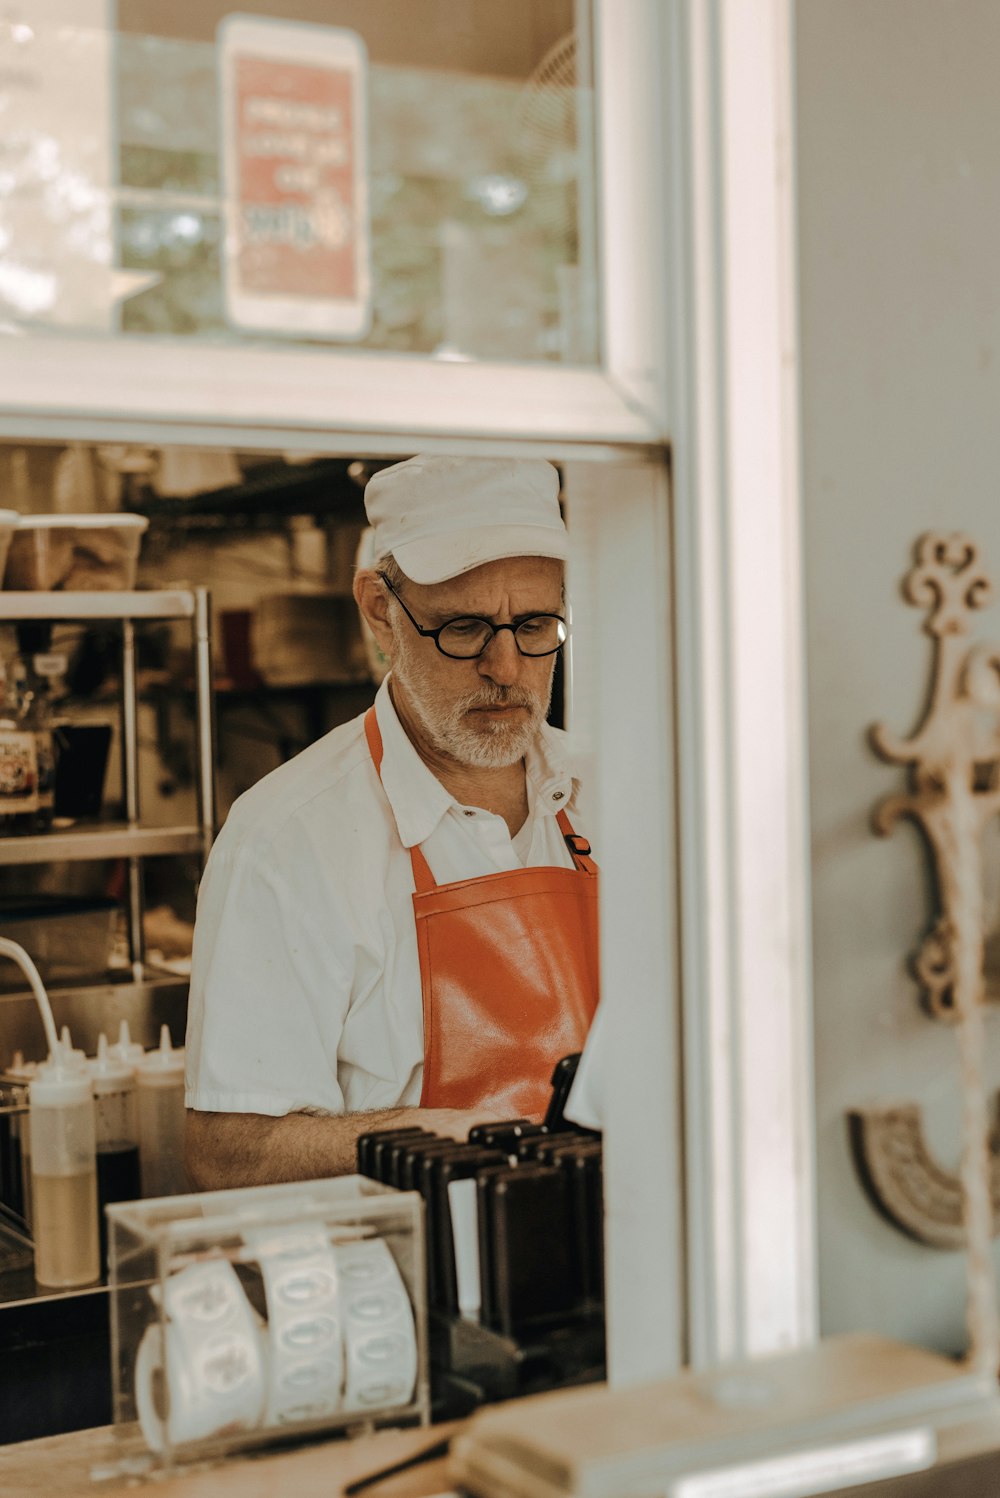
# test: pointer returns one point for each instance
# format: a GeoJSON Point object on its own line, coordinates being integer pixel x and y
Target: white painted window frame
{"type": "Point", "coordinates": [743, 776]}
{"type": "Point", "coordinates": [697, 276]}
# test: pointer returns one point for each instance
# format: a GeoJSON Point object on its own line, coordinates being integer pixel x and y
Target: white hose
{"type": "Point", "coordinates": [17, 954]}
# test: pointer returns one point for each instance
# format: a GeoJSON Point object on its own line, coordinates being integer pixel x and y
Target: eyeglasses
{"type": "Point", "coordinates": [466, 638]}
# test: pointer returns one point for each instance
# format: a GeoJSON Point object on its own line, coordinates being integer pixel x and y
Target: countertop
{"type": "Point", "coordinates": [64, 1464]}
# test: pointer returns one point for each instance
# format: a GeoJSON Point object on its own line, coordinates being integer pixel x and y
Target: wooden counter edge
{"type": "Point", "coordinates": [63, 1464]}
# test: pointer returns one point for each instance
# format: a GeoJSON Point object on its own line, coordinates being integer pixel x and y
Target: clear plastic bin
{"type": "Point", "coordinates": [240, 1318]}
{"type": "Point", "coordinates": [69, 553]}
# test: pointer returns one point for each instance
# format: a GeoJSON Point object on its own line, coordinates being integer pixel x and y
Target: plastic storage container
{"type": "Point", "coordinates": [89, 553]}
{"type": "Point", "coordinates": [238, 1317]}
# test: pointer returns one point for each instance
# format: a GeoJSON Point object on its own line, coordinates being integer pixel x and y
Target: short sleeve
{"type": "Point", "coordinates": [270, 991]}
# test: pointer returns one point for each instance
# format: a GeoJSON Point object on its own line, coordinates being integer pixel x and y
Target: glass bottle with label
{"type": "Point", "coordinates": [18, 755]}
{"type": "Point", "coordinates": [42, 676]}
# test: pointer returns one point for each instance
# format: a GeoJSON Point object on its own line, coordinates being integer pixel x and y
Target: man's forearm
{"type": "Point", "coordinates": [251, 1149]}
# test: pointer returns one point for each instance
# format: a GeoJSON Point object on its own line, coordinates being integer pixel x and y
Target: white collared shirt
{"type": "Point", "coordinates": [305, 983]}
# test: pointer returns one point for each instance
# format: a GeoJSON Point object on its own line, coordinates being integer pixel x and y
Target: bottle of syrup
{"type": "Point", "coordinates": [117, 1130]}
{"type": "Point", "coordinates": [63, 1174]}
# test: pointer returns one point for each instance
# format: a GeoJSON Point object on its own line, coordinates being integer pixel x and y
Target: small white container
{"type": "Point", "coordinates": [70, 553]}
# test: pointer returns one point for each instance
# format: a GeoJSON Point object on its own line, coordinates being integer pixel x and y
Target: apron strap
{"type": "Point", "coordinates": [374, 740]}
{"type": "Point", "coordinates": [577, 845]}
{"type": "Point", "coordinates": [422, 876]}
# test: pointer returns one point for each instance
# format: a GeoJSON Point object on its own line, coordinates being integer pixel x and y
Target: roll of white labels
{"type": "Point", "coordinates": [305, 1375]}
{"type": "Point", "coordinates": [380, 1342]}
{"type": "Point", "coordinates": [340, 1336]}
{"type": "Point", "coordinates": [210, 1375]}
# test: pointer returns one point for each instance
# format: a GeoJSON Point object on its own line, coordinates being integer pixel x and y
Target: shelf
{"type": "Point", "coordinates": [117, 987]}
{"type": "Point", "coordinates": [174, 603]}
{"type": "Point", "coordinates": [19, 1289]}
{"type": "Point", "coordinates": [113, 840]}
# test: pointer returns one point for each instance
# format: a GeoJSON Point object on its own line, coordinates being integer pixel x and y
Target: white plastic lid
{"type": "Point", "coordinates": [58, 1084]}
{"type": "Point", "coordinates": [70, 1055]}
{"type": "Point", "coordinates": [107, 1072]}
{"type": "Point", "coordinates": [88, 521]}
{"type": "Point", "coordinates": [20, 1070]}
{"type": "Point", "coordinates": [163, 1067]}
{"type": "Point", "coordinates": [125, 1048]}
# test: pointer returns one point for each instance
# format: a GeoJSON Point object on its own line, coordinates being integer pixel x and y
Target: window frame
{"type": "Point", "coordinates": [710, 1185]}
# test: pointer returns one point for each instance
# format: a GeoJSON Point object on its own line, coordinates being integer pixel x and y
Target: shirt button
{"type": "Point", "coordinates": [470, 813]}
{"type": "Point", "coordinates": [558, 795]}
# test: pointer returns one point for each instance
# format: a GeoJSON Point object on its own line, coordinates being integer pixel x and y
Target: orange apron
{"type": "Point", "coordinates": [508, 975]}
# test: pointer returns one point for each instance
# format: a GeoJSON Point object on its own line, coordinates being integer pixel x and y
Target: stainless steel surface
{"type": "Point", "coordinates": [205, 716]}
{"type": "Point", "coordinates": [110, 840]}
{"type": "Point", "coordinates": [159, 999]}
{"type": "Point", "coordinates": [175, 603]}
{"type": "Point", "coordinates": [18, 1287]}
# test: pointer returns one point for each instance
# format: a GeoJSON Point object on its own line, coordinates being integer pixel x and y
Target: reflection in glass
{"type": "Point", "coordinates": [480, 181]}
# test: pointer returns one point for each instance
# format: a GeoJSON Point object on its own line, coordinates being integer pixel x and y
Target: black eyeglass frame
{"type": "Point", "coordinates": [434, 634]}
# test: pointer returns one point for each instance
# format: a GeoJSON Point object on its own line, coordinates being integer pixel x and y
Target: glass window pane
{"type": "Point", "coordinates": [412, 178]}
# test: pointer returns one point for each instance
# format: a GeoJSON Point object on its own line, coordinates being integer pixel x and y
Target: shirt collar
{"type": "Point", "coordinates": [419, 800]}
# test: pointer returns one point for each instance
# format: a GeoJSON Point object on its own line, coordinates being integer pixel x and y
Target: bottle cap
{"type": "Point", "coordinates": [71, 1055]}
{"type": "Point", "coordinates": [107, 1072]}
{"type": "Point", "coordinates": [59, 1082]}
{"type": "Point", "coordinates": [20, 1070]}
{"type": "Point", "coordinates": [163, 1067]}
{"type": "Point", "coordinates": [125, 1048]}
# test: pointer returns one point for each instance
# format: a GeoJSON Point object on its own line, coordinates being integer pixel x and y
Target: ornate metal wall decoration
{"type": "Point", "coordinates": [954, 756]}
{"type": "Point", "coordinates": [906, 1183]}
{"type": "Point", "coordinates": [953, 764]}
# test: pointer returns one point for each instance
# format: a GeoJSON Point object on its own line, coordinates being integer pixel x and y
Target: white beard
{"type": "Point", "coordinates": [486, 745]}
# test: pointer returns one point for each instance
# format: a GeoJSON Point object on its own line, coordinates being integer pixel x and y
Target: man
{"type": "Point", "coordinates": [399, 925]}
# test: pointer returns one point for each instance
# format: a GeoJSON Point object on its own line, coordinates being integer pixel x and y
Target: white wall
{"type": "Point", "coordinates": [899, 214]}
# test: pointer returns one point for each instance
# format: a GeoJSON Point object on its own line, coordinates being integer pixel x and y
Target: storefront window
{"type": "Point", "coordinates": [355, 173]}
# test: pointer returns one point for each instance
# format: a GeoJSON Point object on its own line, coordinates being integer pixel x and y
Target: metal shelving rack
{"type": "Point", "coordinates": [129, 839]}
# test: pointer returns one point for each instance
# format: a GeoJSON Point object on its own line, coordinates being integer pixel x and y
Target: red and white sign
{"type": "Point", "coordinates": [297, 245]}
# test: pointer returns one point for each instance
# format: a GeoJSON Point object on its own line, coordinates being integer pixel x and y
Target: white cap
{"type": "Point", "coordinates": [441, 516]}
{"type": "Point", "coordinates": [20, 1070]}
{"type": "Point", "coordinates": [71, 1054]}
{"type": "Point", "coordinates": [125, 1048]}
{"type": "Point", "coordinates": [59, 1081]}
{"type": "Point", "coordinates": [163, 1067]}
{"type": "Point", "coordinates": [108, 1073]}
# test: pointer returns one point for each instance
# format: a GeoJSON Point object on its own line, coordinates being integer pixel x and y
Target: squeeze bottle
{"type": "Point", "coordinates": [160, 1079]}
{"type": "Point", "coordinates": [63, 1174]}
{"type": "Point", "coordinates": [117, 1126]}
{"type": "Point", "coordinates": [63, 1154]}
